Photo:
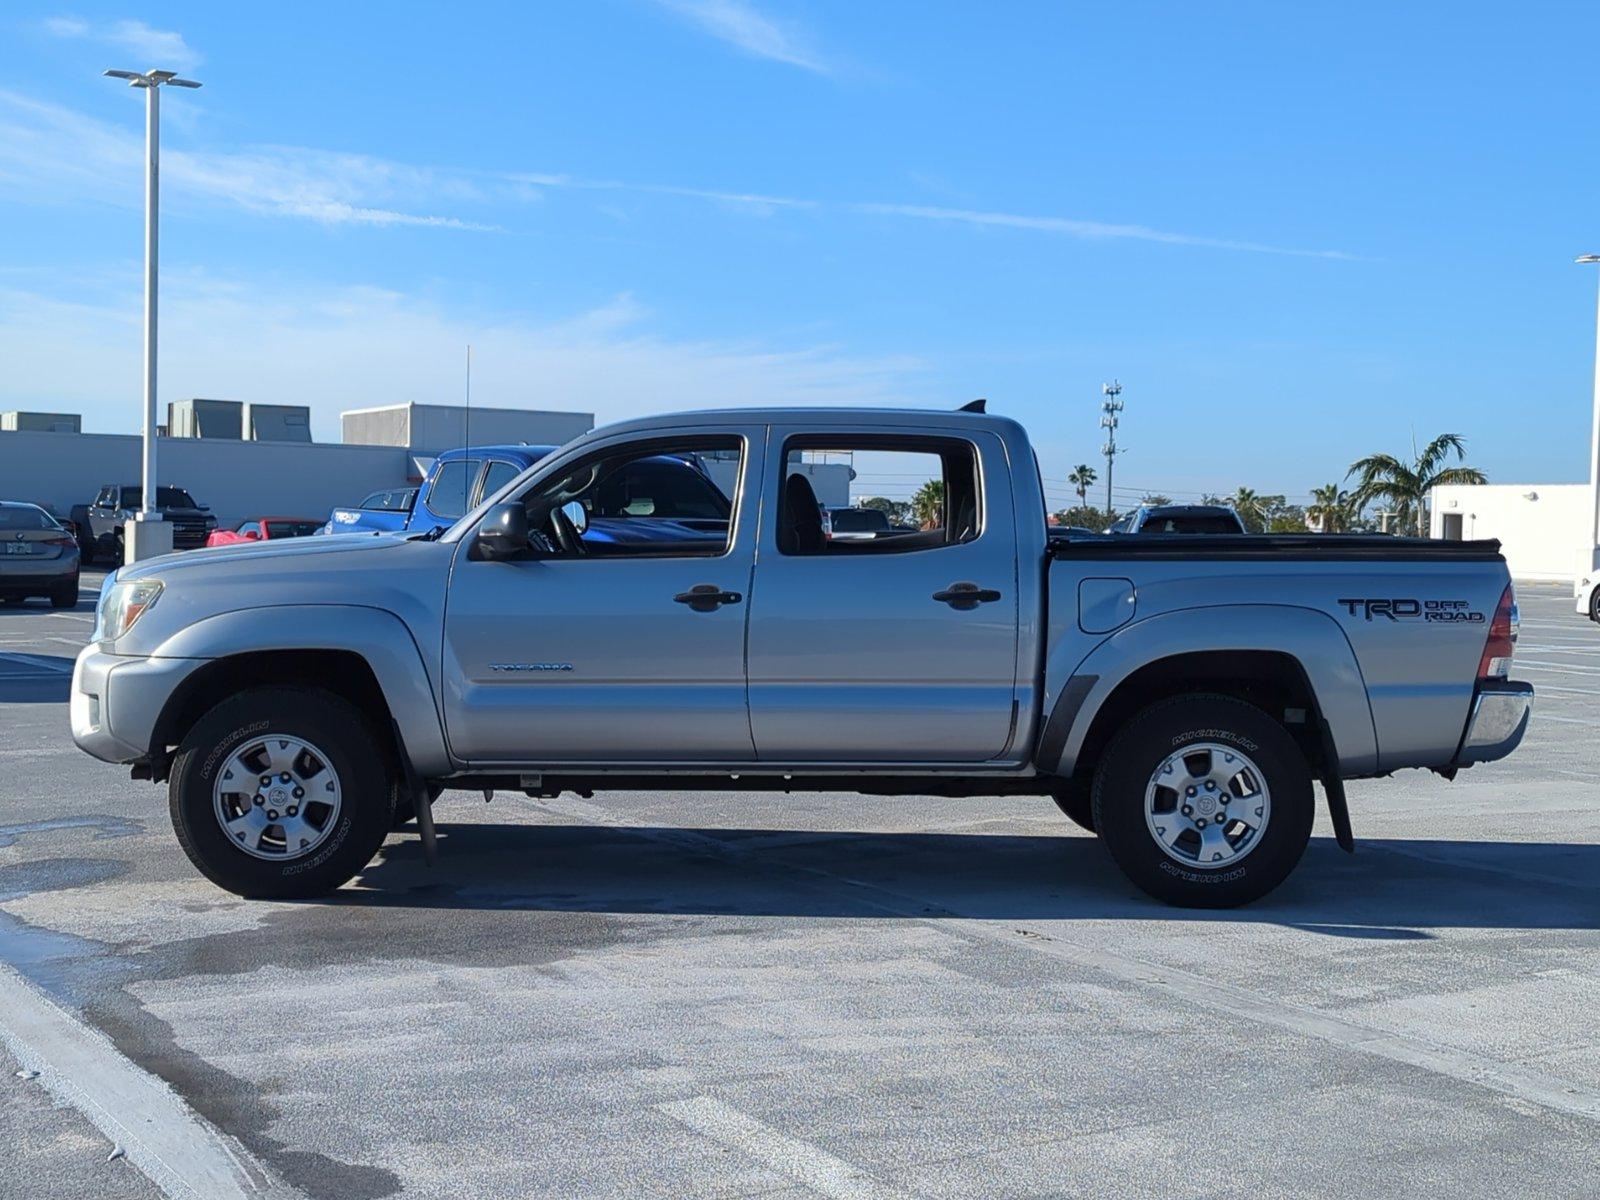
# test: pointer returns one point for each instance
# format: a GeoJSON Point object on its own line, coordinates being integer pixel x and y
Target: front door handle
{"type": "Point", "coordinates": [966, 595]}
{"type": "Point", "coordinates": [705, 597]}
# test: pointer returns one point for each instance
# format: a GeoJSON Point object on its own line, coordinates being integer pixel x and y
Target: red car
{"type": "Point", "coordinates": [263, 529]}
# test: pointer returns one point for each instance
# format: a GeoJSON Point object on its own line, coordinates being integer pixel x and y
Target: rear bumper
{"type": "Point", "coordinates": [38, 576]}
{"type": "Point", "coordinates": [1500, 712]}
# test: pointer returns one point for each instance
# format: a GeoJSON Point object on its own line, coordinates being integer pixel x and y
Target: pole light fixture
{"type": "Point", "coordinates": [142, 543]}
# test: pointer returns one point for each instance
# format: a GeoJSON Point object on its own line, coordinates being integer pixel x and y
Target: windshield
{"type": "Point", "coordinates": [166, 497]}
{"type": "Point", "coordinates": [292, 529]}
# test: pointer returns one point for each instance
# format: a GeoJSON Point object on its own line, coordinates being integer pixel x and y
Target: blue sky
{"type": "Point", "coordinates": [1294, 232]}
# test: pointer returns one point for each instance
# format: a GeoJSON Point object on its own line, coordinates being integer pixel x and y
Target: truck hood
{"type": "Point", "coordinates": [227, 559]}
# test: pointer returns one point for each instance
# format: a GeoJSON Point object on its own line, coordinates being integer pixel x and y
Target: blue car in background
{"type": "Point", "coordinates": [663, 498]}
{"type": "Point", "coordinates": [456, 482]}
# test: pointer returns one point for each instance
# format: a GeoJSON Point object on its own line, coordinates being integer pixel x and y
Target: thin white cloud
{"type": "Point", "coordinates": [1090, 230]}
{"type": "Point", "coordinates": [54, 153]}
{"type": "Point", "coordinates": [741, 25]}
{"type": "Point", "coordinates": [337, 347]}
{"type": "Point", "coordinates": [156, 48]}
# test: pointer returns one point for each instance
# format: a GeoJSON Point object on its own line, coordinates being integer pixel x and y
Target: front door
{"type": "Point", "coordinates": [619, 637]}
{"type": "Point", "coordinates": [885, 625]}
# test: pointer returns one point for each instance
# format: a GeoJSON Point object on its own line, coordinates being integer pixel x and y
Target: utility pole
{"type": "Point", "coordinates": [1110, 407]}
{"type": "Point", "coordinates": [147, 535]}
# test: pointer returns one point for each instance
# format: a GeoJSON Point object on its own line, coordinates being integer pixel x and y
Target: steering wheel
{"type": "Point", "coordinates": [567, 535]}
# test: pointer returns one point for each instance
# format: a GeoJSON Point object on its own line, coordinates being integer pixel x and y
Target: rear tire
{"type": "Point", "coordinates": [1144, 778]}
{"type": "Point", "coordinates": [65, 597]}
{"type": "Point", "coordinates": [355, 763]}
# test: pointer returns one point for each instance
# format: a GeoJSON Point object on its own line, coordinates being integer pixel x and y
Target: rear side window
{"type": "Point", "coordinates": [1194, 524]}
{"type": "Point", "coordinates": [452, 487]}
{"type": "Point", "coordinates": [872, 494]}
{"type": "Point", "coordinates": [496, 476]}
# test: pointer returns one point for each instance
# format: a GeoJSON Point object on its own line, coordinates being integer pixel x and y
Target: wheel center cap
{"type": "Point", "coordinates": [279, 795]}
{"type": "Point", "coordinates": [1205, 806]}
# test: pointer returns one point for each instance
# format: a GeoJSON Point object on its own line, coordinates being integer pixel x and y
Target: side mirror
{"type": "Point", "coordinates": [504, 531]}
{"type": "Point", "coordinates": [577, 514]}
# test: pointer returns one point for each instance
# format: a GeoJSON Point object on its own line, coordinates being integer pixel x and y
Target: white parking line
{"type": "Point", "coordinates": [179, 1151]}
{"type": "Point", "coordinates": [36, 662]}
{"type": "Point", "coordinates": [1191, 989]}
{"type": "Point", "coordinates": [791, 1156]}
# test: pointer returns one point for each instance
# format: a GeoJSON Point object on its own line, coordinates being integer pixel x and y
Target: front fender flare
{"type": "Point", "coordinates": [382, 639]}
{"type": "Point", "coordinates": [1313, 639]}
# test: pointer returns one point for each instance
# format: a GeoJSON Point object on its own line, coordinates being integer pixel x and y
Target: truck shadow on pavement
{"type": "Point", "coordinates": [1391, 889]}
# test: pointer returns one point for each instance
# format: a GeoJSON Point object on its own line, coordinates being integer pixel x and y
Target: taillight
{"type": "Point", "coordinates": [63, 542]}
{"type": "Point", "coordinates": [1502, 641]}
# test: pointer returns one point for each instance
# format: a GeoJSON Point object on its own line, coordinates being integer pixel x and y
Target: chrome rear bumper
{"type": "Point", "coordinates": [1500, 712]}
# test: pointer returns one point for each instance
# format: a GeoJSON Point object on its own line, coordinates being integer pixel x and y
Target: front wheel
{"type": "Point", "coordinates": [1204, 801]}
{"type": "Point", "coordinates": [280, 793]}
{"type": "Point", "coordinates": [1594, 605]}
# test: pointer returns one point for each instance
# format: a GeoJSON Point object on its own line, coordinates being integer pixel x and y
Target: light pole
{"type": "Point", "coordinates": [147, 535]}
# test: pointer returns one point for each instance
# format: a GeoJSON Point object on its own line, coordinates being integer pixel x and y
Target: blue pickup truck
{"type": "Point", "coordinates": [660, 498]}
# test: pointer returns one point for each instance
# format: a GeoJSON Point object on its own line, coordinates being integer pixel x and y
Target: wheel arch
{"type": "Point", "coordinates": [1277, 657]}
{"type": "Point", "coordinates": [366, 656]}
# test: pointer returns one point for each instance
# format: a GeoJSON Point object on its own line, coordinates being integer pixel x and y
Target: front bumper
{"type": "Point", "coordinates": [1500, 712]}
{"type": "Point", "coordinates": [116, 700]}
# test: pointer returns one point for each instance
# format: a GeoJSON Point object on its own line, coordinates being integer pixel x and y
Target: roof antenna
{"type": "Point", "coordinates": [974, 406]}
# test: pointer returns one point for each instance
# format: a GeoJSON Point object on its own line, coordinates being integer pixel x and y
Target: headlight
{"type": "Point", "coordinates": [121, 605]}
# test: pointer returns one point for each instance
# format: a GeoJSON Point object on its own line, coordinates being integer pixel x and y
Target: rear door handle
{"type": "Point", "coordinates": [966, 595]}
{"type": "Point", "coordinates": [705, 597]}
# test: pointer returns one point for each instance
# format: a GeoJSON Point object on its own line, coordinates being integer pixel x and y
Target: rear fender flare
{"type": "Point", "coordinates": [1313, 639]}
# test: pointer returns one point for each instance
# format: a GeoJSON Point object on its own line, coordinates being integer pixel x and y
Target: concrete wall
{"type": "Point", "coordinates": [237, 479]}
{"type": "Point", "coordinates": [1543, 528]}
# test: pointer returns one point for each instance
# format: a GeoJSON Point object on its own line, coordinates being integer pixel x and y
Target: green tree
{"type": "Point", "coordinates": [1155, 499]}
{"type": "Point", "coordinates": [1247, 503]}
{"type": "Point", "coordinates": [898, 511]}
{"type": "Point", "coordinates": [1081, 477]}
{"type": "Point", "coordinates": [927, 506]}
{"type": "Point", "coordinates": [1332, 508]}
{"type": "Point", "coordinates": [1404, 486]}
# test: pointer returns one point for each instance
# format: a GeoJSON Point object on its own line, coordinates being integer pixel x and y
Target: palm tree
{"type": "Point", "coordinates": [1082, 477]}
{"type": "Point", "coordinates": [927, 505]}
{"type": "Point", "coordinates": [1331, 508]}
{"type": "Point", "coordinates": [1247, 504]}
{"type": "Point", "coordinates": [1406, 485]}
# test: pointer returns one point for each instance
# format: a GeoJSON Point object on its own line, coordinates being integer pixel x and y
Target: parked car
{"type": "Point", "coordinates": [383, 511]}
{"type": "Point", "coordinates": [1180, 518]}
{"type": "Point", "coordinates": [100, 523]}
{"type": "Point", "coordinates": [456, 482]}
{"type": "Point", "coordinates": [1178, 694]}
{"type": "Point", "coordinates": [860, 524]}
{"type": "Point", "coordinates": [264, 529]}
{"type": "Point", "coordinates": [37, 556]}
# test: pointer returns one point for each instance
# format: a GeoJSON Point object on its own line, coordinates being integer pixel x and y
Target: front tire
{"type": "Point", "coordinates": [280, 793]}
{"type": "Point", "coordinates": [1594, 605]}
{"type": "Point", "coordinates": [1075, 798]}
{"type": "Point", "coordinates": [1204, 801]}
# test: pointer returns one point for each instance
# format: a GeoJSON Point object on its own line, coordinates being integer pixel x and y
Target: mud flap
{"type": "Point", "coordinates": [1333, 788]}
{"type": "Point", "coordinates": [421, 803]}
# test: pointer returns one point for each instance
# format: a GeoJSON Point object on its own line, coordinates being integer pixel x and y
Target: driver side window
{"type": "Point", "coordinates": [666, 498]}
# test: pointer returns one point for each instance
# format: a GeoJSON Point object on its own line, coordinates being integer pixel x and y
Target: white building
{"type": "Point", "coordinates": [1543, 528]}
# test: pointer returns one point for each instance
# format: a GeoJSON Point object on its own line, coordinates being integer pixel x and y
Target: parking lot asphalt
{"type": "Point", "coordinates": [673, 995]}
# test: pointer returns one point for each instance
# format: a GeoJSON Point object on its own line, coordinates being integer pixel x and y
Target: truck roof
{"type": "Point", "coordinates": [521, 451]}
{"type": "Point", "coordinates": [913, 418]}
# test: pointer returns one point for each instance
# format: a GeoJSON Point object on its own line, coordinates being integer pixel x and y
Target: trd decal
{"type": "Point", "coordinates": [1446, 612]}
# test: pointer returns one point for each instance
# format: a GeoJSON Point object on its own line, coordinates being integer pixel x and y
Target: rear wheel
{"type": "Point", "coordinates": [1204, 801]}
{"type": "Point", "coordinates": [65, 596]}
{"type": "Point", "coordinates": [280, 793]}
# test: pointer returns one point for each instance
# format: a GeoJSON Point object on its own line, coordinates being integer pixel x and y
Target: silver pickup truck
{"type": "Point", "coordinates": [1177, 695]}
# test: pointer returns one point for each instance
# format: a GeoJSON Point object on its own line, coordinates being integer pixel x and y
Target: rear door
{"type": "Point", "coordinates": [899, 646]}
